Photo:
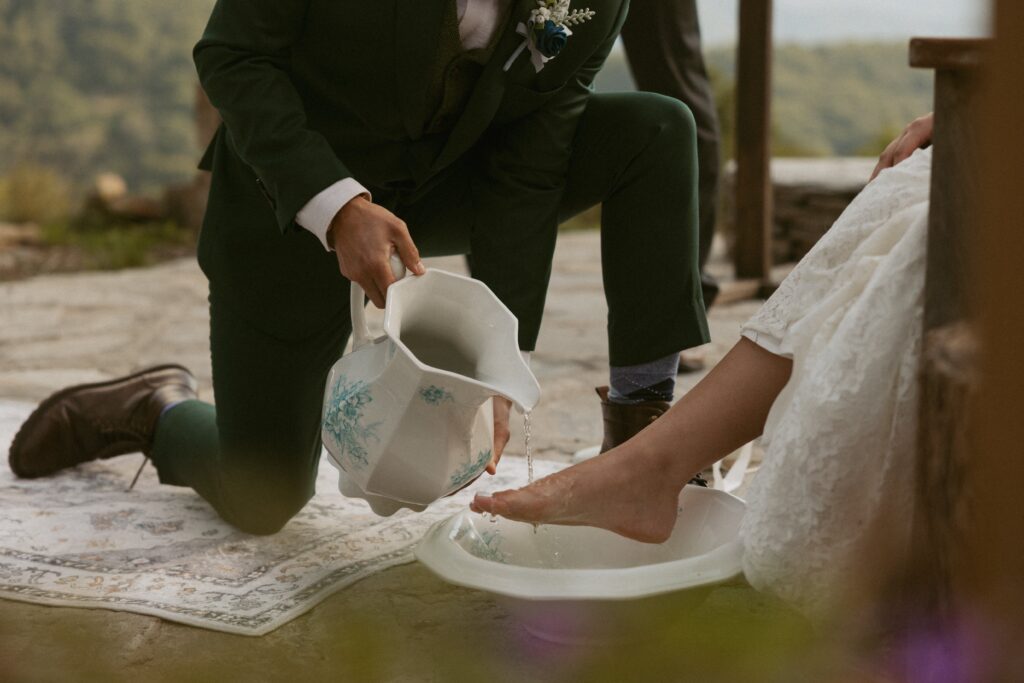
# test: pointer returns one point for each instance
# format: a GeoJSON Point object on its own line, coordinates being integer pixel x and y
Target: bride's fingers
{"type": "Point", "coordinates": [885, 159]}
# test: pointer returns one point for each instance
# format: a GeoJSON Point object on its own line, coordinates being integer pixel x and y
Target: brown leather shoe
{"type": "Point", "coordinates": [101, 420]}
{"type": "Point", "coordinates": [622, 422]}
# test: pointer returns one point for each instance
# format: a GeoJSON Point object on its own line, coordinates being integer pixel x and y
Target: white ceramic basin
{"type": "Point", "coordinates": [580, 584]}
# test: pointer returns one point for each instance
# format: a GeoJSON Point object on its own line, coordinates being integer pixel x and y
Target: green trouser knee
{"type": "Point", "coordinates": [255, 456]}
{"type": "Point", "coordinates": [635, 154]}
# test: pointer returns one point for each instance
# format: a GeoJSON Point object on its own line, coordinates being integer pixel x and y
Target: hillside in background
{"type": "Point", "coordinates": [827, 100]}
{"type": "Point", "coordinates": [107, 85]}
{"type": "Point", "coordinates": [95, 85]}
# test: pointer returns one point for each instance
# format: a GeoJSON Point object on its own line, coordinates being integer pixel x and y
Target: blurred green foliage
{"type": "Point", "coordinates": [115, 246]}
{"type": "Point", "coordinates": [94, 85]}
{"type": "Point", "coordinates": [836, 99]}
{"type": "Point", "coordinates": [108, 85]}
{"type": "Point", "coordinates": [30, 193]}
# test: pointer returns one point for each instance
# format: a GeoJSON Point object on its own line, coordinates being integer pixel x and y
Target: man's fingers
{"type": "Point", "coordinates": [500, 441]}
{"type": "Point", "coordinates": [502, 409]}
{"type": "Point", "coordinates": [407, 250]}
{"type": "Point", "coordinates": [372, 291]}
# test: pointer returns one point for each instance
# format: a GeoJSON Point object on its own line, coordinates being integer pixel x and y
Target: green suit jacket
{"type": "Point", "coordinates": [314, 91]}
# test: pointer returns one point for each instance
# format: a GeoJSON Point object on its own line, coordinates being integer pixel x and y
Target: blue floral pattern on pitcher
{"type": "Point", "coordinates": [435, 395]}
{"type": "Point", "coordinates": [468, 470]}
{"type": "Point", "coordinates": [344, 418]}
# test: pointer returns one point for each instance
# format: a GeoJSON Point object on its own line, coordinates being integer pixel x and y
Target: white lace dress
{"type": "Point", "coordinates": [839, 440]}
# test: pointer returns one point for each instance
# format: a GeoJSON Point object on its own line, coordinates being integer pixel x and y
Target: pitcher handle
{"type": "Point", "coordinates": [357, 305]}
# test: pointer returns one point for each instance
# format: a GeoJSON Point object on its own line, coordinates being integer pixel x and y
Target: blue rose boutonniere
{"type": "Point", "coordinates": [550, 38]}
{"type": "Point", "coordinates": [548, 31]}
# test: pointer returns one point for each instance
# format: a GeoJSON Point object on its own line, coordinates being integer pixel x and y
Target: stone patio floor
{"type": "Point", "coordinates": [402, 624]}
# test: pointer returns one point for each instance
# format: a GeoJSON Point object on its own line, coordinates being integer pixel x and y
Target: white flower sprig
{"type": "Point", "coordinates": [558, 11]}
{"type": "Point", "coordinates": [548, 30]}
{"type": "Point", "coordinates": [579, 16]}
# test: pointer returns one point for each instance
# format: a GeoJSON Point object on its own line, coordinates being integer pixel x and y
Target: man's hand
{"type": "Point", "coordinates": [502, 408]}
{"type": "Point", "coordinates": [364, 236]}
{"type": "Point", "coordinates": [916, 135]}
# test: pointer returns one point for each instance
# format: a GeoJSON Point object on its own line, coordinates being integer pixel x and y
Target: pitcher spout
{"type": "Point", "coordinates": [519, 385]}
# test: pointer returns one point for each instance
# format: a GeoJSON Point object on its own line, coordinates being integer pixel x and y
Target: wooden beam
{"type": "Point", "coordinates": [948, 53]}
{"type": "Point", "coordinates": [753, 141]}
{"type": "Point", "coordinates": [994, 554]}
{"type": "Point", "coordinates": [953, 215]}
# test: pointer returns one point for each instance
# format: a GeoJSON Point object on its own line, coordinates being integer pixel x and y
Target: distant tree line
{"type": "Point", "coordinates": [88, 86]}
{"type": "Point", "coordinates": [95, 85]}
{"type": "Point", "coordinates": [834, 100]}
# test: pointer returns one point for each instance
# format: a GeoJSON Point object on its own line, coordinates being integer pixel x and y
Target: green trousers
{"type": "Point", "coordinates": [254, 457]}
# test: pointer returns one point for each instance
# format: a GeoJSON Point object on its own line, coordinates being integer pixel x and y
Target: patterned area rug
{"type": "Point", "coordinates": [83, 539]}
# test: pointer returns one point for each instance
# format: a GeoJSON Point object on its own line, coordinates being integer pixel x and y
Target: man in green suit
{"type": "Point", "coordinates": [353, 130]}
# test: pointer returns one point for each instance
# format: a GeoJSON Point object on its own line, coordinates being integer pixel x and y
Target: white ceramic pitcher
{"type": "Point", "coordinates": [408, 416]}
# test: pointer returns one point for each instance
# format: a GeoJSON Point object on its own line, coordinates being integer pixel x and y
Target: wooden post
{"type": "Point", "coordinates": [949, 378]}
{"type": "Point", "coordinates": [753, 141]}
{"type": "Point", "coordinates": [951, 221]}
{"type": "Point", "coordinates": [993, 555]}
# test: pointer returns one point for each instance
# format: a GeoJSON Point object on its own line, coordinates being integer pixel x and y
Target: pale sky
{"type": "Point", "coordinates": [827, 21]}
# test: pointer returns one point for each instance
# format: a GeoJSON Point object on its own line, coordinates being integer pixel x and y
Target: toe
{"type": "Point", "coordinates": [482, 503]}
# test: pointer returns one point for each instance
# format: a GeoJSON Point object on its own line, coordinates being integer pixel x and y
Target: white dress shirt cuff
{"type": "Point", "coordinates": [317, 214]}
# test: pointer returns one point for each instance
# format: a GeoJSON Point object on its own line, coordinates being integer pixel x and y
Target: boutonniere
{"type": "Point", "coordinates": [547, 31]}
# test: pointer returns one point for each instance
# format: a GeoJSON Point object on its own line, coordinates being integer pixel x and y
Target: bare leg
{"type": "Point", "coordinates": [633, 489]}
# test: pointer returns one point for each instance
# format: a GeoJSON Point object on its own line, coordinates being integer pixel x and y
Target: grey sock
{"type": "Point", "coordinates": [653, 381]}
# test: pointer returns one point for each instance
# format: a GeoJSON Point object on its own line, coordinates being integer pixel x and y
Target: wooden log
{"type": "Point", "coordinates": [753, 140]}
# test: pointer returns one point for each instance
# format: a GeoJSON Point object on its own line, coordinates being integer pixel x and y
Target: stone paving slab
{"type": "Point", "coordinates": [63, 329]}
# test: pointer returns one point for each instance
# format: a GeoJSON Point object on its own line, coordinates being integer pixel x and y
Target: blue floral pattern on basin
{"type": "Point", "coordinates": [467, 471]}
{"type": "Point", "coordinates": [435, 395]}
{"type": "Point", "coordinates": [343, 420]}
{"type": "Point", "coordinates": [486, 546]}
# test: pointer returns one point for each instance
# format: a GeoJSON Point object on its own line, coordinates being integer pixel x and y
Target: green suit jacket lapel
{"type": "Point", "coordinates": [489, 90]}
{"type": "Point", "coordinates": [418, 25]}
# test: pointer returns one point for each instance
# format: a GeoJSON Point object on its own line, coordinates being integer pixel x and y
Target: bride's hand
{"type": "Point", "coordinates": [915, 136]}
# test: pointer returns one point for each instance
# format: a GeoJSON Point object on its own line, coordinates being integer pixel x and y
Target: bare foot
{"type": "Point", "coordinates": [617, 490]}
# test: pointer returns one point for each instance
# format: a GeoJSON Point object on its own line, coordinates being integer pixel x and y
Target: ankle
{"type": "Point", "coordinates": [651, 381]}
{"type": "Point", "coordinates": [671, 453]}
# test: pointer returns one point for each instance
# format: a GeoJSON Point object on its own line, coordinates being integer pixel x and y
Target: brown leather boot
{"type": "Point", "coordinates": [622, 422]}
{"type": "Point", "coordinates": [101, 420]}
